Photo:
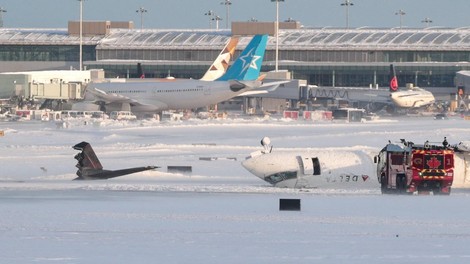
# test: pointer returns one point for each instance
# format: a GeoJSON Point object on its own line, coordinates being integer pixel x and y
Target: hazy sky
{"type": "Point", "coordinates": [190, 13]}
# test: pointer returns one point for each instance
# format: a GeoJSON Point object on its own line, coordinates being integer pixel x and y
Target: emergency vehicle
{"type": "Point", "coordinates": [409, 168]}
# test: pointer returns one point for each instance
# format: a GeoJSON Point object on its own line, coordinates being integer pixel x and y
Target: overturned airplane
{"type": "Point", "coordinates": [90, 168]}
{"type": "Point", "coordinates": [311, 169]}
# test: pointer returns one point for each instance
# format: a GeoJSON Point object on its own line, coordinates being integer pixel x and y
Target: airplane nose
{"type": "Point", "coordinates": [251, 165]}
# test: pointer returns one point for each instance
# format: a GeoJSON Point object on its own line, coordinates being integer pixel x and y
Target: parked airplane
{"type": "Point", "coordinates": [311, 169]}
{"type": "Point", "coordinates": [153, 96]}
{"type": "Point", "coordinates": [90, 168]}
{"type": "Point", "coordinates": [413, 97]}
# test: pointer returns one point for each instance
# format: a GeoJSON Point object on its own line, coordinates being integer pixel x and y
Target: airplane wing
{"type": "Point", "coordinates": [274, 85]}
{"type": "Point", "coordinates": [268, 87]}
{"type": "Point", "coordinates": [111, 97]}
{"type": "Point", "coordinates": [248, 93]}
{"type": "Point", "coordinates": [236, 85]}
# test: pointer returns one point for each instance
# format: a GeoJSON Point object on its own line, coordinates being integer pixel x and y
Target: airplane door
{"type": "Point", "coordinates": [311, 166]}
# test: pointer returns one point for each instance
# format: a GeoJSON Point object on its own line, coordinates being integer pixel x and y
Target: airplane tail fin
{"type": "Point", "coordinates": [221, 63]}
{"type": "Point", "coordinates": [140, 71]}
{"type": "Point", "coordinates": [87, 158]}
{"type": "Point", "coordinates": [393, 79]}
{"type": "Point", "coordinates": [90, 168]}
{"type": "Point", "coordinates": [248, 65]}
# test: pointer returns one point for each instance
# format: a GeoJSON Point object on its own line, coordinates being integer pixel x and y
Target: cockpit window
{"type": "Point", "coordinates": [281, 176]}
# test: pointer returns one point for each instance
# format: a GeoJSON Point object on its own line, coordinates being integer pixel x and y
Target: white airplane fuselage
{"type": "Point", "coordinates": [462, 166]}
{"type": "Point", "coordinates": [412, 98]}
{"type": "Point", "coordinates": [151, 96]}
{"type": "Point", "coordinates": [172, 94]}
{"type": "Point", "coordinates": [313, 169]}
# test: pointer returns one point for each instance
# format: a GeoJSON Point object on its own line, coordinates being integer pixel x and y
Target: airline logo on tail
{"type": "Point", "coordinates": [393, 79]}
{"type": "Point", "coordinates": [252, 64]}
{"type": "Point", "coordinates": [247, 67]}
{"type": "Point", "coordinates": [140, 71]}
{"type": "Point", "coordinates": [220, 65]}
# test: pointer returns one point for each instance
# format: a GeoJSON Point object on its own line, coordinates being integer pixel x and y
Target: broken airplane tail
{"type": "Point", "coordinates": [90, 168]}
{"type": "Point", "coordinates": [247, 66]}
{"type": "Point", "coordinates": [87, 157]}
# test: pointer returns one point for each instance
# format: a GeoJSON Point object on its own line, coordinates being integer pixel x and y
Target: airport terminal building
{"type": "Point", "coordinates": [339, 57]}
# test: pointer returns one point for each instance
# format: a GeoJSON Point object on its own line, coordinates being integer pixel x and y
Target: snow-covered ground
{"type": "Point", "coordinates": [219, 213]}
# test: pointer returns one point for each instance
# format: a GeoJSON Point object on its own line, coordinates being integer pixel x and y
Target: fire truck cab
{"type": "Point", "coordinates": [409, 168]}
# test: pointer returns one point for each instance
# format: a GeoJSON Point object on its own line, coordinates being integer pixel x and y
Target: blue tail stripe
{"type": "Point", "coordinates": [247, 67]}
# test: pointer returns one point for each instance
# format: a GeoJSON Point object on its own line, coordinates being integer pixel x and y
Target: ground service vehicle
{"type": "Point", "coordinates": [122, 115]}
{"type": "Point", "coordinates": [410, 168]}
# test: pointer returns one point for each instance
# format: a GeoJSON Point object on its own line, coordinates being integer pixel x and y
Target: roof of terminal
{"type": "Point", "coordinates": [307, 38]}
{"type": "Point", "coordinates": [380, 39]}
{"type": "Point", "coordinates": [12, 36]}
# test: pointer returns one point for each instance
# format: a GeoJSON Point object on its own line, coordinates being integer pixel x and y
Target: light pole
{"type": "Point", "coordinates": [210, 14]}
{"type": "Point", "coordinates": [400, 13]}
{"type": "Point", "coordinates": [347, 4]}
{"type": "Point", "coordinates": [2, 10]}
{"type": "Point", "coordinates": [427, 20]}
{"type": "Point", "coordinates": [227, 4]}
{"type": "Point", "coordinates": [141, 10]}
{"type": "Point", "coordinates": [216, 18]}
{"type": "Point", "coordinates": [81, 36]}
{"type": "Point", "coordinates": [277, 33]}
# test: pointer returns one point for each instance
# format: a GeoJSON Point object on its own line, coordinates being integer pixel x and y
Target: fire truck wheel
{"type": "Point", "coordinates": [383, 185]}
{"type": "Point", "coordinates": [439, 192]}
{"type": "Point", "coordinates": [401, 183]}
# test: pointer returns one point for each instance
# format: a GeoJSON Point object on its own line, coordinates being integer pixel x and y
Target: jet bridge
{"type": "Point", "coordinates": [54, 90]}
{"type": "Point", "coordinates": [46, 85]}
{"type": "Point", "coordinates": [276, 98]}
{"type": "Point", "coordinates": [362, 97]}
{"type": "Point", "coordinates": [353, 94]}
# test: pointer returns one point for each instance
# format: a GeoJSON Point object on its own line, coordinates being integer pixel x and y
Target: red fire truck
{"type": "Point", "coordinates": [410, 168]}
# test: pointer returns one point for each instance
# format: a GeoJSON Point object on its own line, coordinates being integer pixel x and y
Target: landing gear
{"type": "Point", "coordinates": [102, 106]}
